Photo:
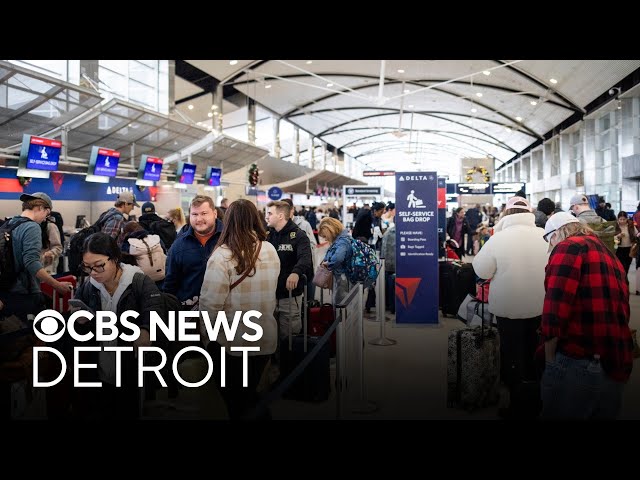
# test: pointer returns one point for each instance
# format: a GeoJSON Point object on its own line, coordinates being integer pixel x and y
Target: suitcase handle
{"type": "Point", "coordinates": [483, 302]}
{"type": "Point", "coordinates": [303, 315]}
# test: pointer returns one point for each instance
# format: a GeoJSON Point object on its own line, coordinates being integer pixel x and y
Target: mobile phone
{"type": "Point", "coordinates": [76, 303]}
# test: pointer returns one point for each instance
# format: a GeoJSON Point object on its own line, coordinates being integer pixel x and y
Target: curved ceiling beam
{"type": "Point", "coordinates": [394, 149]}
{"type": "Point", "coordinates": [505, 146]}
{"type": "Point", "coordinates": [396, 143]}
{"type": "Point", "coordinates": [528, 131]}
{"type": "Point", "coordinates": [430, 143]}
{"type": "Point", "coordinates": [522, 72]}
{"type": "Point", "coordinates": [434, 132]}
{"type": "Point", "coordinates": [417, 83]}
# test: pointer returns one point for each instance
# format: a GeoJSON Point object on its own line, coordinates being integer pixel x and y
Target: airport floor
{"type": "Point", "coordinates": [406, 381]}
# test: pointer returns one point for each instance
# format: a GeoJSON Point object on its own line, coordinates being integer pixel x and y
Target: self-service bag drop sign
{"type": "Point", "coordinates": [416, 247]}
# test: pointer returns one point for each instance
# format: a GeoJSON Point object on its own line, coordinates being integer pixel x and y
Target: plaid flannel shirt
{"type": "Point", "coordinates": [586, 304]}
{"type": "Point", "coordinates": [257, 292]}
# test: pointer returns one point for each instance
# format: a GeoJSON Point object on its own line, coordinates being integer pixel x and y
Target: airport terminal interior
{"type": "Point", "coordinates": [420, 141]}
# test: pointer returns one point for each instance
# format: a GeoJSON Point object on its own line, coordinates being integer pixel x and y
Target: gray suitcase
{"type": "Point", "coordinates": [473, 367]}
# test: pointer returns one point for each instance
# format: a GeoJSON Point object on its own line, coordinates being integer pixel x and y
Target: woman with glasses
{"type": "Point", "coordinates": [514, 260]}
{"type": "Point", "coordinates": [116, 287]}
{"type": "Point", "coordinates": [585, 324]}
{"type": "Point", "coordinates": [626, 236]}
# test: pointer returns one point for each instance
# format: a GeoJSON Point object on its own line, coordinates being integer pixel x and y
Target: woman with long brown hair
{"type": "Point", "coordinates": [242, 274]}
{"type": "Point", "coordinates": [626, 236]}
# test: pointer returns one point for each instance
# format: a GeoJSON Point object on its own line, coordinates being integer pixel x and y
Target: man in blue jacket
{"type": "Point", "coordinates": [187, 258]}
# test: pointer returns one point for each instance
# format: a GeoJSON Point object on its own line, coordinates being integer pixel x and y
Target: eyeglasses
{"type": "Point", "coordinates": [97, 268]}
{"type": "Point", "coordinates": [547, 235]}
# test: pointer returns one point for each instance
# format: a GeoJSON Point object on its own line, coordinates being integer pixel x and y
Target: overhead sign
{"type": "Point", "coordinates": [275, 193]}
{"type": "Point", "coordinates": [364, 190]}
{"type": "Point", "coordinates": [474, 188]}
{"type": "Point", "coordinates": [416, 247]}
{"type": "Point", "coordinates": [378, 173]}
{"type": "Point", "coordinates": [103, 162]}
{"type": "Point", "coordinates": [512, 187]}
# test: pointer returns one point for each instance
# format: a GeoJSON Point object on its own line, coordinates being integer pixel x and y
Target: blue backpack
{"type": "Point", "coordinates": [364, 263]}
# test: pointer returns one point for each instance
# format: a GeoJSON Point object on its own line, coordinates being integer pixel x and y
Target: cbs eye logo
{"type": "Point", "coordinates": [49, 326]}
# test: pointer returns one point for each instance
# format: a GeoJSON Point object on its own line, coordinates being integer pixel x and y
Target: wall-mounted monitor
{"type": "Point", "coordinates": [185, 173]}
{"type": "Point", "coordinates": [39, 154]}
{"type": "Point", "coordinates": [103, 162]}
{"type": "Point", "coordinates": [213, 176]}
{"type": "Point", "coordinates": [149, 170]}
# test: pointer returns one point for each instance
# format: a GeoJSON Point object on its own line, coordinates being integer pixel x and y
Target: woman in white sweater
{"type": "Point", "coordinates": [514, 259]}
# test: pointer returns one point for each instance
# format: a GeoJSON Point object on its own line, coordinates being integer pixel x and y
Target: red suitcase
{"type": "Point", "coordinates": [60, 303]}
{"type": "Point", "coordinates": [320, 319]}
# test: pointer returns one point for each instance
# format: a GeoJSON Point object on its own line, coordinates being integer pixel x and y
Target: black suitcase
{"type": "Point", "coordinates": [456, 281]}
{"type": "Point", "coordinates": [314, 383]}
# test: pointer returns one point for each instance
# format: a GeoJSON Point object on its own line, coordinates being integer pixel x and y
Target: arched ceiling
{"type": "Point", "coordinates": [388, 112]}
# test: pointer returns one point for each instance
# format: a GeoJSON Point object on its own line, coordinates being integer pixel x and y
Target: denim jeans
{"type": "Point", "coordinates": [579, 389]}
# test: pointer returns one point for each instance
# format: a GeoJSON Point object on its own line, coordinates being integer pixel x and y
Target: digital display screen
{"type": "Point", "coordinates": [104, 162]}
{"type": "Point", "coordinates": [186, 173]}
{"type": "Point", "coordinates": [213, 176]}
{"type": "Point", "coordinates": [40, 153]}
{"type": "Point", "coordinates": [150, 168]}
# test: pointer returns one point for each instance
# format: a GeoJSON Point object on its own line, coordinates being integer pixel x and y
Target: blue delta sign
{"type": "Point", "coordinates": [275, 193]}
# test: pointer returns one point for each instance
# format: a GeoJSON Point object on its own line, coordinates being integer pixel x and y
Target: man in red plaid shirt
{"type": "Point", "coordinates": [585, 324]}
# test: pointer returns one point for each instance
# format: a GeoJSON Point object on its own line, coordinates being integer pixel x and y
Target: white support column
{"type": "Point", "coordinates": [296, 146]}
{"type": "Point", "coordinates": [251, 121]}
{"type": "Point", "coordinates": [217, 111]}
{"type": "Point", "coordinates": [312, 155]}
{"type": "Point", "coordinates": [276, 138]}
{"type": "Point", "coordinates": [324, 156]}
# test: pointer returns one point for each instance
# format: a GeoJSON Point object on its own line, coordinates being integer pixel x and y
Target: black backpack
{"type": "Point", "coordinates": [8, 272]}
{"type": "Point", "coordinates": [76, 243]}
{"type": "Point", "coordinates": [166, 230]}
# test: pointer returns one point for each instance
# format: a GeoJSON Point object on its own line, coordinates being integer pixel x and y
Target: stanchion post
{"type": "Point", "coordinates": [381, 301]}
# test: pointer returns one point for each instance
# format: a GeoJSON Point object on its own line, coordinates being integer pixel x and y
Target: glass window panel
{"type": "Point", "coordinates": [115, 65]}
{"type": "Point", "coordinates": [29, 83]}
{"type": "Point", "coordinates": [142, 94]}
{"type": "Point", "coordinates": [142, 73]}
{"type": "Point", "coordinates": [18, 98]}
{"type": "Point", "coordinates": [148, 63]}
{"type": "Point", "coordinates": [55, 68]}
{"type": "Point", "coordinates": [114, 82]}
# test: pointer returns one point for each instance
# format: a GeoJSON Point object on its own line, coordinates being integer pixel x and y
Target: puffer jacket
{"type": "Point", "coordinates": [515, 260]}
{"type": "Point", "coordinates": [339, 254]}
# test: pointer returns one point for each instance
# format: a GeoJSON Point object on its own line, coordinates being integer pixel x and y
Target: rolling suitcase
{"type": "Point", "coordinates": [313, 384]}
{"type": "Point", "coordinates": [473, 367]}
{"type": "Point", "coordinates": [320, 319]}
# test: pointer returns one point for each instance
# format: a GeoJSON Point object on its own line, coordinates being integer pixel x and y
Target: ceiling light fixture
{"type": "Point", "coordinates": [474, 110]}
{"type": "Point", "coordinates": [268, 85]}
{"type": "Point", "coordinates": [478, 94]}
{"type": "Point", "coordinates": [309, 62]}
{"type": "Point", "coordinates": [486, 72]}
{"type": "Point", "coordinates": [519, 119]}
{"type": "Point", "coordinates": [329, 84]}
{"type": "Point", "coordinates": [233, 62]}
{"type": "Point", "coordinates": [400, 70]}
{"type": "Point", "coordinates": [533, 102]}
{"type": "Point", "coordinates": [553, 80]}
{"type": "Point", "coordinates": [190, 107]}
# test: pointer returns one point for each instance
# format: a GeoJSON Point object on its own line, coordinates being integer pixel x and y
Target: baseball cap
{"type": "Point", "coordinates": [511, 203]}
{"type": "Point", "coordinates": [578, 199]}
{"type": "Point", "coordinates": [556, 221]}
{"type": "Point", "coordinates": [127, 197]}
{"type": "Point", "coordinates": [148, 207]}
{"type": "Point", "coordinates": [25, 197]}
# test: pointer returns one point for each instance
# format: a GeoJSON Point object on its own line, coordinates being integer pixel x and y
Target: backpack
{"type": "Point", "coordinates": [166, 230]}
{"type": "Point", "coordinates": [8, 272]}
{"type": "Point", "coordinates": [364, 263]}
{"type": "Point", "coordinates": [606, 231]}
{"type": "Point", "coordinates": [149, 256]}
{"type": "Point", "coordinates": [76, 243]}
